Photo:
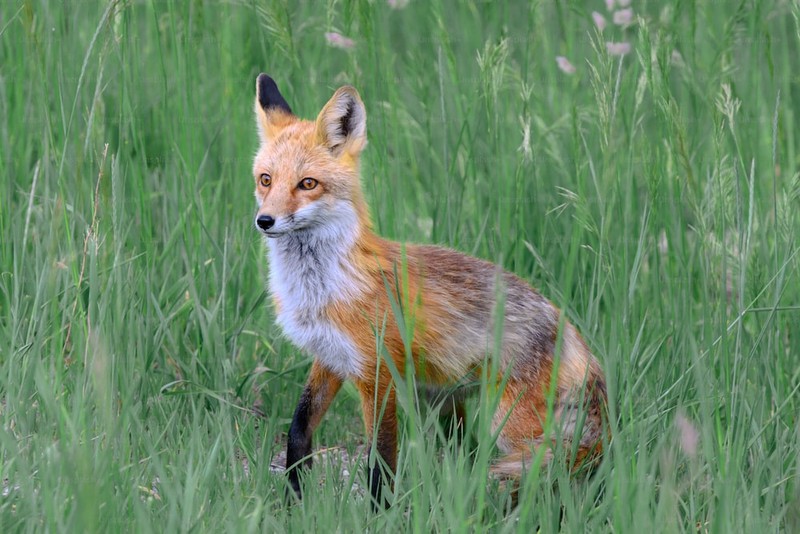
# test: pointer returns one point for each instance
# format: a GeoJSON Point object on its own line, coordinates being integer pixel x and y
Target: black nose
{"type": "Point", "coordinates": [265, 222]}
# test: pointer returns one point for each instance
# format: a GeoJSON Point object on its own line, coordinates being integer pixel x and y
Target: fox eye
{"type": "Point", "coordinates": [265, 180]}
{"type": "Point", "coordinates": [307, 184]}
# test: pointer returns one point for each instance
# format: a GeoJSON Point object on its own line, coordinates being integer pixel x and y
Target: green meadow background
{"type": "Point", "coordinates": [143, 383]}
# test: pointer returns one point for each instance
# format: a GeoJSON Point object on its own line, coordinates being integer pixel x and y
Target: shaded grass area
{"type": "Point", "coordinates": [654, 197]}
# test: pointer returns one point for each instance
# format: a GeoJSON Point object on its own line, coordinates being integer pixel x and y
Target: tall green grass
{"type": "Point", "coordinates": [654, 197]}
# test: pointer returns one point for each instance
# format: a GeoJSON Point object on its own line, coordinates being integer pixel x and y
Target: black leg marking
{"type": "Point", "coordinates": [298, 446]}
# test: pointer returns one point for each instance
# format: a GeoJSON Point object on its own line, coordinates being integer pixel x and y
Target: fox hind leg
{"type": "Point", "coordinates": [579, 424]}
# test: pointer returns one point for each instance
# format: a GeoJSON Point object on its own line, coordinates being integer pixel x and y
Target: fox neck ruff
{"type": "Point", "coordinates": [314, 266]}
{"type": "Point", "coordinates": [311, 269]}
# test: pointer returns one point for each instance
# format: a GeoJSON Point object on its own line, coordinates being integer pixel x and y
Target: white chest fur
{"type": "Point", "coordinates": [309, 270]}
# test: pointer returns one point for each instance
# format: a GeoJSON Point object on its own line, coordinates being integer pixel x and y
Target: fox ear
{"type": "Point", "coordinates": [273, 114]}
{"type": "Point", "coordinates": [342, 123]}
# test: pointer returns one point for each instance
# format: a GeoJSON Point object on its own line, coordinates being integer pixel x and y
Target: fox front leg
{"type": "Point", "coordinates": [319, 392]}
{"type": "Point", "coordinates": [380, 419]}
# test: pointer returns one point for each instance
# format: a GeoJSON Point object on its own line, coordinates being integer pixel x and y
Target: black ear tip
{"type": "Point", "coordinates": [264, 79]}
{"type": "Point", "coordinates": [265, 85]}
{"type": "Point", "coordinates": [268, 94]}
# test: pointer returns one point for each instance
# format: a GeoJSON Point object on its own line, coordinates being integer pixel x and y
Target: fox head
{"type": "Point", "coordinates": [307, 172]}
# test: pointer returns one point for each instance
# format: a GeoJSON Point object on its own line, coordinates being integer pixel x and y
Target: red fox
{"type": "Point", "coordinates": [329, 274]}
